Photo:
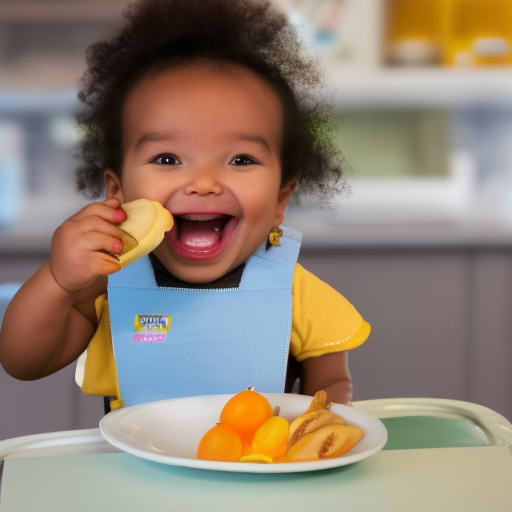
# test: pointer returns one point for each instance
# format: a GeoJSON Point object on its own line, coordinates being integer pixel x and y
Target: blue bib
{"type": "Point", "coordinates": [173, 342]}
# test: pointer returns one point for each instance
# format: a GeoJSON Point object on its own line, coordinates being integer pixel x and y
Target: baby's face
{"type": "Point", "coordinates": [205, 142]}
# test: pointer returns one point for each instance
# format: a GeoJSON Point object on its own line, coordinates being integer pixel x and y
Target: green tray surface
{"type": "Point", "coordinates": [407, 432]}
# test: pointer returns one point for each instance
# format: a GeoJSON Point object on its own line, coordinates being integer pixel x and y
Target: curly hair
{"type": "Point", "coordinates": [162, 34]}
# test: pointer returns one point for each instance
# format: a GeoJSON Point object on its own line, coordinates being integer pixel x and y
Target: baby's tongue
{"type": "Point", "coordinates": [200, 233]}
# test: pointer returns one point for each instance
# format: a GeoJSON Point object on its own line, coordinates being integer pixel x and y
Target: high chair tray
{"type": "Point", "coordinates": [79, 471]}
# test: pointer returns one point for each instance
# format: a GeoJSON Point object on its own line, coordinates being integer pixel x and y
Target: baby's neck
{"type": "Point", "coordinates": [164, 279]}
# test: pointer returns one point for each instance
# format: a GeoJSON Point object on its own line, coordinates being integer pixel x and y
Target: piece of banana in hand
{"type": "Point", "coordinates": [143, 229]}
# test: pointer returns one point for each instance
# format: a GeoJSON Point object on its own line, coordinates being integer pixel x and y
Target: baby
{"type": "Point", "coordinates": [205, 106]}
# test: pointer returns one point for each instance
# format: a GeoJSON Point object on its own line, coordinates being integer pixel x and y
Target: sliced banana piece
{"type": "Point", "coordinates": [143, 229]}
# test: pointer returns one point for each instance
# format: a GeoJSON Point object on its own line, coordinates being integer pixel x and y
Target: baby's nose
{"type": "Point", "coordinates": [203, 182]}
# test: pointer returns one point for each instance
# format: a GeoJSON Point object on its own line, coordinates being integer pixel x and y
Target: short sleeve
{"type": "Point", "coordinates": [323, 320]}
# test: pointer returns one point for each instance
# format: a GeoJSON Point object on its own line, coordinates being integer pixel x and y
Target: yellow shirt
{"type": "Point", "coordinates": [323, 321]}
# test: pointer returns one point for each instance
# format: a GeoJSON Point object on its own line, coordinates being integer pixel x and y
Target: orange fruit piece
{"type": "Point", "coordinates": [246, 412]}
{"type": "Point", "coordinates": [220, 443]}
{"type": "Point", "coordinates": [270, 439]}
{"type": "Point", "coordinates": [257, 458]}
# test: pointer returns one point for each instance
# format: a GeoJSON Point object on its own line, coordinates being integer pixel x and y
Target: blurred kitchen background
{"type": "Point", "coordinates": [423, 244]}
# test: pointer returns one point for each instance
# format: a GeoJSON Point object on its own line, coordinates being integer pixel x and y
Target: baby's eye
{"type": "Point", "coordinates": [167, 160]}
{"type": "Point", "coordinates": [242, 160]}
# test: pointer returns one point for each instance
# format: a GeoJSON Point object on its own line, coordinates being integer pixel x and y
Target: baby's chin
{"type": "Point", "coordinates": [199, 276]}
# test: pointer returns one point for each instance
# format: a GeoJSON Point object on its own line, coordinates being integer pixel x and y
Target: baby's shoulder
{"type": "Point", "coordinates": [310, 293]}
{"type": "Point", "coordinates": [304, 280]}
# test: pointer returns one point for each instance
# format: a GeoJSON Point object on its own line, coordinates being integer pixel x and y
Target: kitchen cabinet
{"type": "Point", "coordinates": [441, 323]}
{"type": "Point", "coordinates": [50, 404]}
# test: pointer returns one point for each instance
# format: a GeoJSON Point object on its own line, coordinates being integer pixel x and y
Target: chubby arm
{"type": "Point", "coordinates": [330, 373]}
{"type": "Point", "coordinates": [51, 319]}
{"type": "Point", "coordinates": [45, 327]}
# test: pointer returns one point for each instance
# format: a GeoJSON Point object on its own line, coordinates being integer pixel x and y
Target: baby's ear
{"type": "Point", "coordinates": [113, 185]}
{"type": "Point", "coordinates": [283, 199]}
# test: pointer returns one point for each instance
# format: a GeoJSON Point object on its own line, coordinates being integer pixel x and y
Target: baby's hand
{"type": "Point", "coordinates": [80, 246]}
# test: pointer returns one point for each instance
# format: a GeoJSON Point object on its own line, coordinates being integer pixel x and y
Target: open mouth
{"type": "Point", "coordinates": [200, 236]}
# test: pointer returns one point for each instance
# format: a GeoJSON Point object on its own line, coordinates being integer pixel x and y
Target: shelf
{"type": "Point", "coordinates": [348, 88]}
{"type": "Point", "coordinates": [44, 99]}
{"type": "Point", "coordinates": [431, 88]}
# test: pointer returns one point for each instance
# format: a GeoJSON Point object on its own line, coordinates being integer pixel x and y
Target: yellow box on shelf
{"type": "Point", "coordinates": [415, 31]}
{"type": "Point", "coordinates": [479, 33]}
{"type": "Point", "coordinates": [458, 33]}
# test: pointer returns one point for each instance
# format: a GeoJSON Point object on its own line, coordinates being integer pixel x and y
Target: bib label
{"type": "Point", "coordinates": [151, 328]}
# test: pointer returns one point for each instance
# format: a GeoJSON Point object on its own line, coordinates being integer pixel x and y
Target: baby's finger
{"type": "Point", "coordinates": [106, 265]}
{"type": "Point", "coordinates": [91, 224]}
{"type": "Point", "coordinates": [91, 266]}
{"type": "Point", "coordinates": [110, 212]}
{"type": "Point", "coordinates": [95, 241]}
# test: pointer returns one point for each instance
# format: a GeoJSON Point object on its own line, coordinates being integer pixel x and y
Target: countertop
{"type": "Point", "coordinates": [322, 232]}
{"type": "Point", "coordinates": [32, 231]}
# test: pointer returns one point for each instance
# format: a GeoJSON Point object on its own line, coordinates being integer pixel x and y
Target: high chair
{"type": "Point", "coordinates": [438, 423]}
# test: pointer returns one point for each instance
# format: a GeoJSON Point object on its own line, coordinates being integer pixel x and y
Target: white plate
{"type": "Point", "coordinates": [169, 432]}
